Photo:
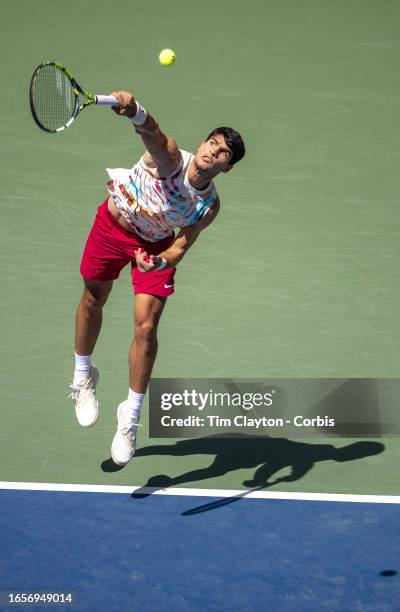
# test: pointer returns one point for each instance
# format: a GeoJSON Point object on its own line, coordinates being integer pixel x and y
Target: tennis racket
{"type": "Point", "coordinates": [56, 99]}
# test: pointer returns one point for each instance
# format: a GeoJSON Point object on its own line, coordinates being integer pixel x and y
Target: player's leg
{"type": "Point", "coordinates": [89, 315]}
{"type": "Point", "coordinates": [147, 312]}
{"type": "Point", "coordinates": [151, 293]}
{"type": "Point", "coordinates": [103, 258]}
{"type": "Point", "coordinates": [88, 321]}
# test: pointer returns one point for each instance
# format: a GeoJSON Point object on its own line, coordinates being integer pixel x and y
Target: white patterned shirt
{"type": "Point", "coordinates": [155, 206]}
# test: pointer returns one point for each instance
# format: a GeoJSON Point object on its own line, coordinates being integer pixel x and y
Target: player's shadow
{"type": "Point", "coordinates": [108, 465]}
{"type": "Point", "coordinates": [268, 455]}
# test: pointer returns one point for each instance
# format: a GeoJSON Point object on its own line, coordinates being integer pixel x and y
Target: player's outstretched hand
{"type": "Point", "coordinates": [127, 104]}
{"type": "Point", "coordinates": [146, 263]}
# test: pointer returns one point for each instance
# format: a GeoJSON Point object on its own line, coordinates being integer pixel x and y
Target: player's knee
{"type": "Point", "coordinates": [94, 297]}
{"type": "Point", "coordinates": [146, 330]}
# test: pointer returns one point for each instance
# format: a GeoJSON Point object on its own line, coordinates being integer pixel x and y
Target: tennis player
{"type": "Point", "coordinates": [168, 188]}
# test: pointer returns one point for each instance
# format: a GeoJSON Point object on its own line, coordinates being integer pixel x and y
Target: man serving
{"type": "Point", "coordinates": [168, 188]}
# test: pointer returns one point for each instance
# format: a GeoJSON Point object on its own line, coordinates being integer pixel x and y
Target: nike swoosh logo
{"type": "Point", "coordinates": [167, 286]}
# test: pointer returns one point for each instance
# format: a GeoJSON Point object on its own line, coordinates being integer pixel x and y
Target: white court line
{"type": "Point", "coordinates": [86, 488]}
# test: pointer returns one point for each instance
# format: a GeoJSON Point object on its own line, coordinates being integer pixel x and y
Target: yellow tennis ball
{"type": "Point", "coordinates": [167, 57]}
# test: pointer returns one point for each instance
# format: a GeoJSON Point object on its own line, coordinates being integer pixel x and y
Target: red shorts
{"type": "Point", "coordinates": [110, 247]}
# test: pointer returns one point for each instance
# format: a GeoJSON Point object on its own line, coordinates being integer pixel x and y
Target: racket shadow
{"type": "Point", "coordinates": [222, 502]}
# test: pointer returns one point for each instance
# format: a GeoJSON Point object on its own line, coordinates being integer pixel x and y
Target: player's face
{"type": "Point", "coordinates": [213, 156]}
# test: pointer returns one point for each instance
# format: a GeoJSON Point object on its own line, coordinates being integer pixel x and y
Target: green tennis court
{"type": "Point", "coordinates": [297, 278]}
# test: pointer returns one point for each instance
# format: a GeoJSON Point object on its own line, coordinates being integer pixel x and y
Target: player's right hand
{"type": "Point", "coordinates": [127, 104]}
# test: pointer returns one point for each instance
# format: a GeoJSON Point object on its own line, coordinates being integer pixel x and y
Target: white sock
{"type": "Point", "coordinates": [82, 367]}
{"type": "Point", "coordinates": [134, 404]}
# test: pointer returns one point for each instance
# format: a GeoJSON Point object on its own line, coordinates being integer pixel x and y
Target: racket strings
{"type": "Point", "coordinates": [53, 97]}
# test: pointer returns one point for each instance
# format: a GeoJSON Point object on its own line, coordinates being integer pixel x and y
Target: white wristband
{"type": "Point", "coordinates": [162, 265]}
{"type": "Point", "coordinates": [141, 115]}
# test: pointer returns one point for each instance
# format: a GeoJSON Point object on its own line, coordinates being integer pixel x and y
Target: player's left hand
{"type": "Point", "coordinates": [146, 263]}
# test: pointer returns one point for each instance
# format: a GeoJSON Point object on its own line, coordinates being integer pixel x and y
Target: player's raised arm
{"type": "Point", "coordinates": [163, 151]}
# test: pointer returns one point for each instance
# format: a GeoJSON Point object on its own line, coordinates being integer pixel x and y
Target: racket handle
{"type": "Point", "coordinates": [107, 100]}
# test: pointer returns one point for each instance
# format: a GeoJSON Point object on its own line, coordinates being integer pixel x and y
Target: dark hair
{"type": "Point", "coordinates": [233, 140]}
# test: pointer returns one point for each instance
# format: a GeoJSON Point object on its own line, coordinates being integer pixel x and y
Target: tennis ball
{"type": "Point", "coordinates": [167, 57]}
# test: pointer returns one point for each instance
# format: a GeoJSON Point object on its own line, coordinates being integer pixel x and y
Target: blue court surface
{"type": "Point", "coordinates": [185, 553]}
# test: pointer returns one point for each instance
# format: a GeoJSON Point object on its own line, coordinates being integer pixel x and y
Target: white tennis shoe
{"type": "Point", "coordinates": [124, 443]}
{"type": "Point", "coordinates": [86, 404]}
